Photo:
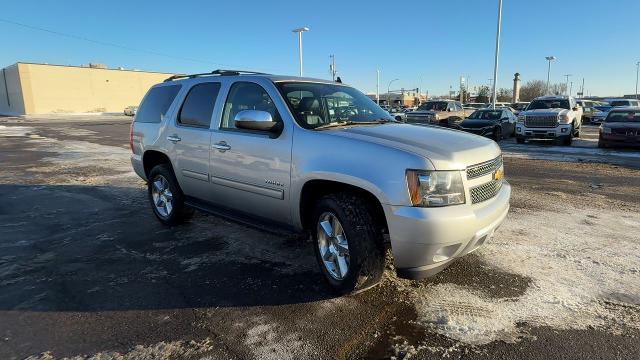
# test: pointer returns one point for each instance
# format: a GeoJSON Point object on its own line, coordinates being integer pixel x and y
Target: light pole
{"type": "Point", "coordinates": [549, 59]}
{"type": "Point", "coordinates": [300, 31]}
{"type": "Point", "coordinates": [495, 64]}
{"type": "Point", "coordinates": [637, 69]}
{"type": "Point", "coordinates": [388, 90]}
{"type": "Point", "coordinates": [378, 87]}
{"type": "Point", "coordinates": [566, 84]}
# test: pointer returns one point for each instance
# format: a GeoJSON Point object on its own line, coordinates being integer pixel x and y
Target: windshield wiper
{"type": "Point", "coordinates": [350, 122]}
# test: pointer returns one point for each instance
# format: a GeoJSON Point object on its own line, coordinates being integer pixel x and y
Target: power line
{"type": "Point", "coordinates": [105, 43]}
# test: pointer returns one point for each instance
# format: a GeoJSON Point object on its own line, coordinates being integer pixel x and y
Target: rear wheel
{"type": "Point", "coordinates": [349, 251]}
{"type": "Point", "coordinates": [166, 197]}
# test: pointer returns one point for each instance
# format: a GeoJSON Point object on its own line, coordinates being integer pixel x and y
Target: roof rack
{"type": "Point", "coordinates": [219, 72]}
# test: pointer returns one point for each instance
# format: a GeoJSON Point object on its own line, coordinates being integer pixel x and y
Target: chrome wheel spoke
{"type": "Point", "coordinates": [328, 255]}
{"type": "Point", "coordinates": [157, 186]}
{"type": "Point", "coordinates": [342, 266]}
{"type": "Point", "coordinates": [341, 245]}
{"type": "Point", "coordinates": [326, 227]}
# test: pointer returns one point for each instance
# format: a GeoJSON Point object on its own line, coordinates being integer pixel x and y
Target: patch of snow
{"type": "Point", "coordinates": [585, 271]}
{"type": "Point", "coordinates": [15, 131]}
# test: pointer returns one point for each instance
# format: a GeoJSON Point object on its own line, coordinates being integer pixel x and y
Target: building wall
{"type": "Point", "coordinates": [67, 89]}
{"type": "Point", "coordinates": [11, 101]}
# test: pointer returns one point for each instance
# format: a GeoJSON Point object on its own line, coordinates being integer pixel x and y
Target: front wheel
{"type": "Point", "coordinates": [165, 196]}
{"type": "Point", "coordinates": [520, 140]}
{"type": "Point", "coordinates": [349, 250]}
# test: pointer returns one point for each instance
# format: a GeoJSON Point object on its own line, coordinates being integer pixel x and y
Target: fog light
{"type": "Point", "coordinates": [445, 253]}
{"type": "Point", "coordinates": [518, 129]}
{"type": "Point", "coordinates": [564, 130]}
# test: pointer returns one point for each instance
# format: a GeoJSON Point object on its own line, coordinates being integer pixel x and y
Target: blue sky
{"type": "Point", "coordinates": [436, 41]}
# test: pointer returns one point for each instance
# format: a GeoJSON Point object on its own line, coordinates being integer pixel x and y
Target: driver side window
{"type": "Point", "coordinates": [246, 96]}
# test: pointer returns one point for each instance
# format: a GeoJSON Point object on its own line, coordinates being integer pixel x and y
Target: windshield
{"type": "Point", "coordinates": [434, 106]}
{"type": "Point", "coordinates": [623, 116]}
{"type": "Point", "coordinates": [521, 106]}
{"type": "Point", "coordinates": [318, 104]}
{"type": "Point", "coordinates": [549, 104]}
{"type": "Point", "coordinates": [486, 115]}
{"type": "Point", "coordinates": [619, 103]}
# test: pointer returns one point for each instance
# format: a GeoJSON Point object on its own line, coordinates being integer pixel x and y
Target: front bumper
{"type": "Point", "coordinates": [560, 130]}
{"type": "Point", "coordinates": [619, 140]}
{"type": "Point", "coordinates": [426, 240]}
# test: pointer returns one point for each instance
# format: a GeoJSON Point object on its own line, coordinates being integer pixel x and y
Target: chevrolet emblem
{"type": "Point", "coordinates": [498, 175]}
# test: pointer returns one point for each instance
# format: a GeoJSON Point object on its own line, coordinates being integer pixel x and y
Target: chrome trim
{"type": "Point", "coordinates": [485, 191]}
{"type": "Point", "coordinates": [484, 168]}
{"type": "Point", "coordinates": [195, 175]}
{"type": "Point", "coordinates": [256, 189]}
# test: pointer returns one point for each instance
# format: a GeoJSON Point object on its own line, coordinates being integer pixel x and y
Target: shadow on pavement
{"type": "Point", "coordinates": [82, 248]}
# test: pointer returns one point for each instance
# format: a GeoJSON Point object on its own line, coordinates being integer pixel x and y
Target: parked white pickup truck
{"type": "Point", "coordinates": [550, 117]}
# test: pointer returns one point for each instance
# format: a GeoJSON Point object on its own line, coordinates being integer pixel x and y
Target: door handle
{"type": "Point", "coordinates": [173, 138]}
{"type": "Point", "coordinates": [221, 146]}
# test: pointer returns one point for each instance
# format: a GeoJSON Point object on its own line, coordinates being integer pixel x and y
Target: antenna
{"type": "Point", "coordinates": [332, 67]}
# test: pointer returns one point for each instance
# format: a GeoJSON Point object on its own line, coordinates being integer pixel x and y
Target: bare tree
{"type": "Point", "coordinates": [558, 89]}
{"type": "Point", "coordinates": [504, 95]}
{"type": "Point", "coordinates": [483, 94]}
{"type": "Point", "coordinates": [532, 89]}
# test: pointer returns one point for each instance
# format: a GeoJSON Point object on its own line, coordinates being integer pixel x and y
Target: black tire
{"type": "Point", "coordinates": [520, 140]}
{"type": "Point", "coordinates": [365, 244]}
{"type": "Point", "coordinates": [576, 132]}
{"type": "Point", "coordinates": [601, 144]}
{"type": "Point", "coordinates": [497, 134]}
{"type": "Point", "coordinates": [179, 212]}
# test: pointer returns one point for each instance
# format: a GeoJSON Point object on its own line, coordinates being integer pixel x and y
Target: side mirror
{"type": "Point", "coordinates": [448, 110]}
{"type": "Point", "coordinates": [256, 120]}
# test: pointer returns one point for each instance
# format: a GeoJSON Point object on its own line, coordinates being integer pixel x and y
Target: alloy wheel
{"type": "Point", "coordinates": [162, 196]}
{"type": "Point", "coordinates": [333, 246]}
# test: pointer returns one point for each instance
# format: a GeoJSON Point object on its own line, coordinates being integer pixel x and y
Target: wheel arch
{"type": "Point", "coordinates": [152, 158]}
{"type": "Point", "coordinates": [314, 189]}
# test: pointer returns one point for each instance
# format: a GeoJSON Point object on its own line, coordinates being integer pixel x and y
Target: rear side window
{"type": "Point", "coordinates": [197, 108]}
{"type": "Point", "coordinates": [156, 104]}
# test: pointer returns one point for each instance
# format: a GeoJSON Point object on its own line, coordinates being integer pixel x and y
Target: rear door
{"type": "Point", "coordinates": [189, 139]}
{"type": "Point", "coordinates": [251, 170]}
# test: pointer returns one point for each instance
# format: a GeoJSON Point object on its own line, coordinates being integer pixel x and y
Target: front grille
{"type": "Point", "coordinates": [627, 132]}
{"type": "Point", "coordinates": [484, 168]}
{"type": "Point", "coordinates": [541, 121]}
{"type": "Point", "coordinates": [486, 191]}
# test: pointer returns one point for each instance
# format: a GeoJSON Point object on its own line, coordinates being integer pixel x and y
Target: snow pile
{"type": "Point", "coordinates": [585, 268]}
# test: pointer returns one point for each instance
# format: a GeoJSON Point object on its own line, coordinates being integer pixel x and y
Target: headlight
{"type": "Point", "coordinates": [521, 118]}
{"type": "Point", "coordinates": [436, 116]}
{"type": "Point", "coordinates": [564, 118]}
{"type": "Point", "coordinates": [606, 130]}
{"type": "Point", "coordinates": [435, 188]}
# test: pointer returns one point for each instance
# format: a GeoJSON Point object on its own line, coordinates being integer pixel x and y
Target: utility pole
{"type": "Point", "coordinates": [582, 88]}
{"type": "Point", "coordinates": [495, 64]}
{"type": "Point", "coordinates": [566, 84]}
{"type": "Point", "coordinates": [571, 89]}
{"type": "Point", "coordinates": [378, 86]}
{"type": "Point", "coordinates": [332, 67]}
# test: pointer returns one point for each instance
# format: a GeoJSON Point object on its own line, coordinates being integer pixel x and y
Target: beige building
{"type": "Point", "coordinates": [27, 89]}
{"type": "Point", "coordinates": [401, 98]}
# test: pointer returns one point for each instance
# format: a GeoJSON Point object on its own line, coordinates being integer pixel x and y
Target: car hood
{"type": "Point", "coordinates": [477, 123]}
{"type": "Point", "coordinates": [550, 112]}
{"type": "Point", "coordinates": [446, 149]}
{"type": "Point", "coordinates": [424, 112]}
{"type": "Point", "coordinates": [622, 125]}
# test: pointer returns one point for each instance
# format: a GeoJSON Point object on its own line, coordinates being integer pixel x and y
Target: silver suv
{"type": "Point", "coordinates": [319, 157]}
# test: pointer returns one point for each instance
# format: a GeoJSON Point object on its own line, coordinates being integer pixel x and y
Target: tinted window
{"type": "Point", "coordinates": [623, 116]}
{"type": "Point", "coordinates": [433, 105]}
{"type": "Point", "coordinates": [246, 96]}
{"type": "Point", "coordinates": [156, 104]}
{"type": "Point", "coordinates": [619, 103]}
{"type": "Point", "coordinates": [198, 106]}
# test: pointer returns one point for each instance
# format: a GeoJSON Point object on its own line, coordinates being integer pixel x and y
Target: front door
{"type": "Point", "coordinates": [251, 170]}
{"type": "Point", "coordinates": [190, 137]}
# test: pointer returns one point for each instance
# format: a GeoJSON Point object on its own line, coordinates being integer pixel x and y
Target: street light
{"type": "Point", "coordinates": [388, 96]}
{"type": "Point", "coordinates": [300, 31]}
{"type": "Point", "coordinates": [637, 69]}
{"type": "Point", "coordinates": [495, 64]}
{"type": "Point", "coordinates": [549, 59]}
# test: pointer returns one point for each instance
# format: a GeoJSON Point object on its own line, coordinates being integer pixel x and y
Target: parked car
{"type": "Point", "coordinates": [398, 114]}
{"type": "Point", "coordinates": [621, 128]}
{"type": "Point", "coordinates": [319, 157]}
{"type": "Point", "coordinates": [130, 110]}
{"type": "Point", "coordinates": [550, 117]}
{"type": "Point", "coordinates": [588, 109]}
{"type": "Point", "coordinates": [474, 106]}
{"type": "Point", "coordinates": [599, 113]}
{"type": "Point", "coordinates": [493, 123]}
{"type": "Point", "coordinates": [438, 112]}
{"type": "Point", "coordinates": [623, 102]}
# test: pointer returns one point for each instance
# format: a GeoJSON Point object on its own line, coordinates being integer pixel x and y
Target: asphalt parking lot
{"type": "Point", "coordinates": [86, 271]}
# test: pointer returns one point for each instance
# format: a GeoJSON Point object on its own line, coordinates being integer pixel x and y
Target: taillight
{"type": "Point", "coordinates": [131, 136]}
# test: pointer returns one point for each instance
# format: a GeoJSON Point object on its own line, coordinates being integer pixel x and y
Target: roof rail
{"type": "Point", "coordinates": [219, 72]}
